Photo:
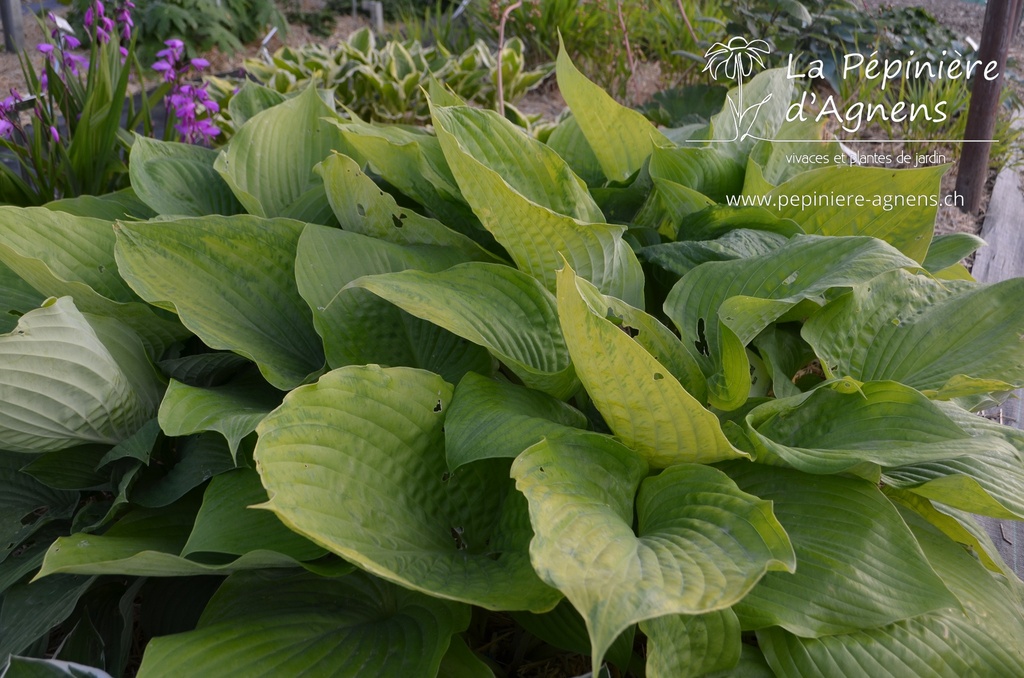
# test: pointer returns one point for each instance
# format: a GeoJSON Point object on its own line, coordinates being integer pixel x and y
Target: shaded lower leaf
{"type": "Point", "coordinates": [152, 542]}
{"type": "Point", "coordinates": [564, 628]}
{"type": "Point", "coordinates": [30, 667]}
{"type": "Point", "coordinates": [689, 646]}
{"type": "Point", "coordinates": [342, 477]}
{"type": "Point", "coordinates": [30, 610]}
{"type": "Point", "coordinates": [702, 542]}
{"type": "Point", "coordinates": [233, 409]}
{"type": "Point", "coordinates": [199, 459]}
{"type": "Point", "coordinates": [858, 566]}
{"type": "Point", "coordinates": [264, 624]}
{"type": "Point", "coordinates": [26, 503]}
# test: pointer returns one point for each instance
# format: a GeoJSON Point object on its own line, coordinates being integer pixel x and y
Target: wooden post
{"type": "Point", "coordinates": [1001, 18]}
{"type": "Point", "coordinates": [14, 34]}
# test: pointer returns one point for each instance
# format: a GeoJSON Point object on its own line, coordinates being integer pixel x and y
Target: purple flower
{"type": "Point", "coordinates": [45, 47]}
{"type": "Point", "coordinates": [73, 62]}
{"type": "Point", "coordinates": [174, 44]}
{"type": "Point", "coordinates": [199, 63]}
{"type": "Point", "coordinates": [88, 19]}
{"type": "Point", "coordinates": [71, 42]}
{"type": "Point", "coordinates": [54, 134]}
{"type": "Point", "coordinates": [6, 128]}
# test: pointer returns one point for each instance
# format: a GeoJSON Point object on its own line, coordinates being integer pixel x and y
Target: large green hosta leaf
{"type": "Point", "coordinates": [497, 307]}
{"type": "Point", "coordinates": [365, 476]}
{"type": "Point", "coordinates": [412, 161]}
{"type": "Point", "coordinates": [266, 624]}
{"type": "Point", "coordinates": [536, 237]}
{"type": "Point", "coordinates": [532, 169]}
{"type": "Point", "coordinates": [948, 339]}
{"type": "Point", "coordinates": [360, 328]}
{"type": "Point", "coordinates": [490, 418]}
{"type": "Point", "coordinates": [123, 204]}
{"type": "Point", "coordinates": [17, 298]}
{"type": "Point", "coordinates": [858, 566]}
{"type": "Point", "coordinates": [231, 280]}
{"type": "Point", "coordinates": [639, 397]}
{"type": "Point", "coordinates": [884, 423]}
{"type": "Point", "coordinates": [980, 639]}
{"type": "Point", "coordinates": [702, 543]}
{"type": "Point", "coordinates": [177, 178]}
{"type": "Point", "coordinates": [719, 307]}
{"type": "Point", "coordinates": [621, 138]}
{"type": "Point", "coordinates": [705, 170]}
{"type": "Point", "coordinates": [67, 378]}
{"type": "Point", "coordinates": [165, 542]}
{"type": "Point", "coordinates": [895, 205]}
{"type": "Point", "coordinates": [232, 409]}
{"type": "Point", "coordinates": [80, 264]}
{"type": "Point", "coordinates": [361, 207]}
{"type": "Point", "coordinates": [690, 646]}
{"type": "Point", "coordinates": [269, 162]}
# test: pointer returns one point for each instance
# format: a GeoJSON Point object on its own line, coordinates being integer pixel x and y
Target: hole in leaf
{"type": "Point", "coordinates": [361, 210]}
{"type": "Point", "coordinates": [102, 269]}
{"type": "Point", "coordinates": [437, 407]}
{"type": "Point", "coordinates": [658, 376]}
{"type": "Point", "coordinates": [702, 342]}
{"type": "Point", "coordinates": [460, 543]}
{"type": "Point", "coordinates": [396, 220]}
{"type": "Point", "coordinates": [630, 331]}
{"type": "Point", "coordinates": [445, 477]}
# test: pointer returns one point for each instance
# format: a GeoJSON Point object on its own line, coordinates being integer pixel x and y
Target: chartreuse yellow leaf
{"type": "Point", "coordinates": [621, 138]}
{"type": "Point", "coordinates": [640, 399]}
{"type": "Point", "coordinates": [701, 543]}
{"type": "Point", "coordinates": [537, 225]}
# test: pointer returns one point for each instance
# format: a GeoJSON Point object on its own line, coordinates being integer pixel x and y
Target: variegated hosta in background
{"type": "Point", "coordinates": [312, 403]}
{"type": "Point", "coordinates": [384, 81]}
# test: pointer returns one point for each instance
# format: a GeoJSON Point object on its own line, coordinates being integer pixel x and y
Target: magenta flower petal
{"type": "Point", "coordinates": [199, 63]}
{"type": "Point", "coordinates": [54, 134]}
{"type": "Point", "coordinates": [161, 66]}
{"type": "Point", "coordinates": [174, 43]}
{"type": "Point", "coordinates": [45, 48]}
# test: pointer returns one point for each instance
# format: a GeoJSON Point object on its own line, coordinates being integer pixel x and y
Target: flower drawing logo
{"type": "Point", "coordinates": [735, 60]}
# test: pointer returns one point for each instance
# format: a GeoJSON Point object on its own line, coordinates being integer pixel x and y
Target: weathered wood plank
{"type": "Point", "coordinates": [14, 33]}
{"type": "Point", "coordinates": [1003, 258]}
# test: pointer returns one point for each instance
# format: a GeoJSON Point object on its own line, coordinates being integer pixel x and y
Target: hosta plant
{"type": "Point", "coordinates": [376, 401]}
{"type": "Point", "coordinates": [385, 82]}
